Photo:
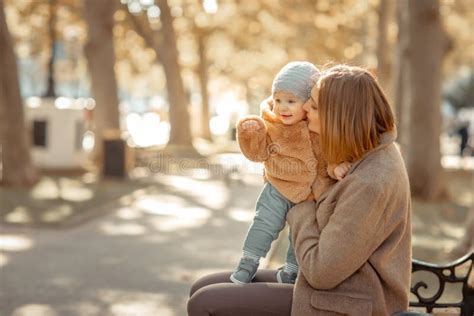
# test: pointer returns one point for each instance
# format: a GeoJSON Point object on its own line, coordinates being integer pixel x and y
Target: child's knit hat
{"type": "Point", "coordinates": [295, 78]}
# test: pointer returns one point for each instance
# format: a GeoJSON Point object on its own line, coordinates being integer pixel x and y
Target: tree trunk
{"type": "Point", "coordinates": [99, 51]}
{"type": "Point", "coordinates": [428, 44]}
{"type": "Point", "coordinates": [401, 70]}
{"type": "Point", "coordinates": [17, 168]}
{"type": "Point", "coordinates": [383, 61]}
{"type": "Point", "coordinates": [50, 91]}
{"type": "Point", "coordinates": [180, 133]}
{"type": "Point", "coordinates": [203, 82]}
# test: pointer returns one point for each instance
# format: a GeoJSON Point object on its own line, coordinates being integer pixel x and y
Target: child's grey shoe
{"type": "Point", "coordinates": [286, 277]}
{"type": "Point", "coordinates": [245, 271]}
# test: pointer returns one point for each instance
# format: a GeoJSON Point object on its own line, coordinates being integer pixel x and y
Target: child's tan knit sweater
{"type": "Point", "coordinates": [290, 153]}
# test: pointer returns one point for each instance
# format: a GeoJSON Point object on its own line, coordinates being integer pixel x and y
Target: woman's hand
{"type": "Point", "coordinates": [250, 126]}
{"type": "Point", "coordinates": [341, 170]}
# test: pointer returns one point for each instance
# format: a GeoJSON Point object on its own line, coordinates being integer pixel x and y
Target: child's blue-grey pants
{"type": "Point", "coordinates": [269, 220]}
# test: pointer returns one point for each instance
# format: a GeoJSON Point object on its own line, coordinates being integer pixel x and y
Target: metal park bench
{"type": "Point", "coordinates": [445, 274]}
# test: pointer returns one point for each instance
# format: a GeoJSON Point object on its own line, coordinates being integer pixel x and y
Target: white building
{"type": "Point", "coordinates": [57, 131]}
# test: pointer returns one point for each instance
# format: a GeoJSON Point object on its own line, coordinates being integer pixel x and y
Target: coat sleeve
{"type": "Point", "coordinates": [321, 185]}
{"type": "Point", "coordinates": [254, 145]}
{"type": "Point", "coordinates": [355, 230]}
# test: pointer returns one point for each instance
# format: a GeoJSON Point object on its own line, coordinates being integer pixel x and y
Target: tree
{"type": "Point", "coordinates": [383, 61]}
{"type": "Point", "coordinates": [202, 72]}
{"type": "Point", "coordinates": [17, 166]}
{"type": "Point", "coordinates": [50, 92]}
{"type": "Point", "coordinates": [427, 46]}
{"type": "Point", "coordinates": [180, 133]}
{"type": "Point", "coordinates": [99, 51]}
{"type": "Point", "coordinates": [163, 41]}
{"type": "Point", "coordinates": [401, 86]}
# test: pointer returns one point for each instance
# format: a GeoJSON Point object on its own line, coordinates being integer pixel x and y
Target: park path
{"type": "Point", "coordinates": [138, 259]}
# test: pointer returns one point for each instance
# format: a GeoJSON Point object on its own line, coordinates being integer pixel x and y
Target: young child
{"type": "Point", "coordinates": [294, 168]}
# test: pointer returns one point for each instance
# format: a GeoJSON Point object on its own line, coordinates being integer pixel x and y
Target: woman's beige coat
{"type": "Point", "coordinates": [354, 245]}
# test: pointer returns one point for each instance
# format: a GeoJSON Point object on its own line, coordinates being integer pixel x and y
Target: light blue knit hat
{"type": "Point", "coordinates": [296, 78]}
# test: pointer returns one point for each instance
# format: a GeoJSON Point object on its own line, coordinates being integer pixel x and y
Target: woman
{"type": "Point", "coordinates": [354, 244]}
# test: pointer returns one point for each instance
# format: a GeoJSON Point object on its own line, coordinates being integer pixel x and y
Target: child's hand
{"type": "Point", "coordinates": [250, 126]}
{"type": "Point", "coordinates": [341, 170]}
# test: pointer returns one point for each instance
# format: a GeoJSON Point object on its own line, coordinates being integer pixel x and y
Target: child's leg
{"type": "Point", "coordinates": [291, 265]}
{"type": "Point", "coordinates": [269, 220]}
{"type": "Point", "coordinates": [290, 270]}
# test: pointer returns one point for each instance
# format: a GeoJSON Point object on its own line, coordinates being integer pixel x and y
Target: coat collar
{"type": "Point", "coordinates": [388, 137]}
{"type": "Point", "coordinates": [385, 139]}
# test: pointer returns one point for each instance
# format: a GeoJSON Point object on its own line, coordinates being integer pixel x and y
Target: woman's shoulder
{"type": "Point", "coordinates": [382, 168]}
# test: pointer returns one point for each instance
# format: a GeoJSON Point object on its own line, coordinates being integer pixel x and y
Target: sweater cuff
{"type": "Point", "coordinates": [259, 120]}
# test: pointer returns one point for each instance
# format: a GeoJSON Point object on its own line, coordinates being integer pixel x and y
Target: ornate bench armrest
{"type": "Point", "coordinates": [445, 274]}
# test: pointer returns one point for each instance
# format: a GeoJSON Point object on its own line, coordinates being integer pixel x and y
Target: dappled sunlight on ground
{"type": "Point", "coordinates": [452, 231]}
{"type": "Point", "coordinates": [35, 310]}
{"type": "Point", "coordinates": [128, 213]}
{"type": "Point", "coordinates": [173, 213]}
{"type": "Point", "coordinates": [186, 218]}
{"type": "Point", "coordinates": [106, 302]}
{"type": "Point", "coordinates": [465, 198]}
{"type": "Point", "coordinates": [201, 174]}
{"type": "Point", "coordinates": [217, 222]}
{"type": "Point", "coordinates": [62, 188]}
{"type": "Point", "coordinates": [439, 226]}
{"type": "Point", "coordinates": [11, 244]}
{"type": "Point", "coordinates": [434, 233]}
{"type": "Point", "coordinates": [176, 273]}
{"type": "Point", "coordinates": [64, 282]}
{"type": "Point", "coordinates": [3, 260]}
{"type": "Point", "coordinates": [60, 201]}
{"type": "Point", "coordinates": [178, 211]}
{"type": "Point", "coordinates": [429, 243]}
{"type": "Point", "coordinates": [163, 204]}
{"type": "Point", "coordinates": [135, 303]}
{"type": "Point", "coordinates": [76, 194]}
{"type": "Point", "coordinates": [211, 193]}
{"type": "Point", "coordinates": [123, 229]}
{"type": "Point", "coordinates": [241, 215]}
{"type": "Point", "coordinates": [156, 239]}
{"type": "Point", "coordinates": [19, 214]}
{"type": "Point", "coordinates": [46, 189]}
{"type": "Point", "coordinates": [460, 185]}
{"type": "Point", "coordinates": [57, 214]}
{"type": "Point", "coordinates": [15, 243]}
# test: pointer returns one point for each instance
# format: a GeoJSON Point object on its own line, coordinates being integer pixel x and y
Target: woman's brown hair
{"type": "Point", "coordinates": [353, 112]}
